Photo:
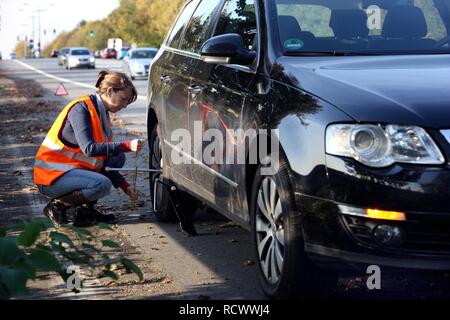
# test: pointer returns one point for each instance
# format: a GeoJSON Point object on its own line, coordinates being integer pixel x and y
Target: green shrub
{"type": "Point", "coordinates": [36, 247]}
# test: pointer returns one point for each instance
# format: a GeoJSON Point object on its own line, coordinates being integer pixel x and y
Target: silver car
{"type": "Point", "coordinates": [137, 61]}
{"type": "Point", "coordinates": [79, 57]}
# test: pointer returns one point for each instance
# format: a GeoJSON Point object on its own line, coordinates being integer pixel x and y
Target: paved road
{"type": "Point", "coordinates": [79, 82]}
{"type": "Point", "coordinates": [213, 264]}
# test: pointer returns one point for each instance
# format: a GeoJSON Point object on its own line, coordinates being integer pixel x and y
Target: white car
{"type": "Point", "coordinates": [79, 57]}
{"type": "Point", "coordinates": [137, 61]}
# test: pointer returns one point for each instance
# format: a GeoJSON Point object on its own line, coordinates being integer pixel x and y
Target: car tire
{"type": "Point", "coordinates": [279, 233]}
{"type": "Point", "coordinates": [161, 201]}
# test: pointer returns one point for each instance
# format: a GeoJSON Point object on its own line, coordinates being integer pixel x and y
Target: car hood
{"type": "Point", "coordinates": [389, 89]}
{"type": "Point", "coordinates": [141, 61]}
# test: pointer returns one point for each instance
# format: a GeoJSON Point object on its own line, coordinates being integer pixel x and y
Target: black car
{"type": "Point", "coordinates": [351, 99]}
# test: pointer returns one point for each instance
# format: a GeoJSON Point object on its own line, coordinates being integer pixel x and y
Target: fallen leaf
{"type": "Point", "coordinates": [28, 189]}
{"type": "Point", "coordinates": [111, 283]}
{"type": "Point", "coordinates": [166, 280]}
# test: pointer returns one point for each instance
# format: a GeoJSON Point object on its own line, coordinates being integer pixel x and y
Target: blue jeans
{"type": "Point", "coordinates": [92, 184]}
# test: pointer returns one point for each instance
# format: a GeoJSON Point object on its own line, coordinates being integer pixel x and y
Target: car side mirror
{"type": "Point", "coordinates": [226, 49]}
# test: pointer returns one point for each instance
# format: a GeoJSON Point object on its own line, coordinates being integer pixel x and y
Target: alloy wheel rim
{"type": "Point", "coordinates": [270, 230]}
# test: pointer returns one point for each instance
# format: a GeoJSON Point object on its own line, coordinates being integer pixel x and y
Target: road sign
{"type": "Point", "coordinates": [61, 91]}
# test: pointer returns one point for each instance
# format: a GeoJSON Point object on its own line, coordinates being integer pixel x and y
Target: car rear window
{"type": "Point", "coordinates": [197, 29]}
{"type": "Point", "coordinates": [177, 30]}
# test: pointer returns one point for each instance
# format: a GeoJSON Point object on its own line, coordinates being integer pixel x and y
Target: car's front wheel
{"type": "Point", "coordinates": [285, 270]}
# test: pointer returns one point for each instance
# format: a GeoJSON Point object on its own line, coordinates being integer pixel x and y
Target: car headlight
{"type": "Point", "coordinates": [92, 59]}
{"type": "Point", "coordinates": [378, 146]}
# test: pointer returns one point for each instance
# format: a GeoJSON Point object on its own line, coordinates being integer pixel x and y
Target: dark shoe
{"type": "Point", "coordinates": [56, 212]}
{"type": "Point", "coordinates": [101, 217]}
{"type": "Point", "coordinates": [87, 215]}
{"type": "Point", "coordinates": [83, 218]}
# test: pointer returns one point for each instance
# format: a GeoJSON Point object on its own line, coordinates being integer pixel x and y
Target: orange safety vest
{"type": "Point", "coordinates": [54, 158]}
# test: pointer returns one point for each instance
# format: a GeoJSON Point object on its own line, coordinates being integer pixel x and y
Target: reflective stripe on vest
{"type": "Point", "coordinates": [54, 158]}
{"type": "Point", "coordinates": [54, 146]}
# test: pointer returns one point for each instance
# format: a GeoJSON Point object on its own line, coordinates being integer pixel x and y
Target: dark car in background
{"type": "Point", "coordinates": [357, 96]}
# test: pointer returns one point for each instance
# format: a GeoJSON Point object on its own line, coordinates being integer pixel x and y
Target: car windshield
{"type": "Point", "coordinates": [359, 27]}
{"type": "Point", "coordinates": [143, 54]}
{"type": "Point", "coordinates": [80, 52]}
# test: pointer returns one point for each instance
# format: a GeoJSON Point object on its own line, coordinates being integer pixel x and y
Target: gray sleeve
{"type": "Point", "coordinates": [80, 120]}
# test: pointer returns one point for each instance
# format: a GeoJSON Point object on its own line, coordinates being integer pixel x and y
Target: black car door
{"type": "Point", "coordinates": [218, 93]}
{"type": "Point", "coordinates": [174, 68]}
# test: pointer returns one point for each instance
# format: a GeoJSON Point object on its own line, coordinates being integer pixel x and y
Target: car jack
{"type": "Point", "coordinates": [185, 221]}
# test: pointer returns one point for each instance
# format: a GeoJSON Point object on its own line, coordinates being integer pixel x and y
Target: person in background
{"type": "Point", "coordinates": [70, 164]}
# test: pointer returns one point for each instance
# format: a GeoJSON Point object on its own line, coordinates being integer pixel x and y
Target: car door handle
{"type": "Point", "coordinates": [165, 79]}
{"type": "Point", "coordinates": [195, 90]}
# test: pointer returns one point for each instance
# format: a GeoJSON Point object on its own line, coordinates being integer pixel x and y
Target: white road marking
{"type": "Point", "coordinates": [80, 84]}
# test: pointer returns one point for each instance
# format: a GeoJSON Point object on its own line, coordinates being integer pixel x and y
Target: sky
{"type": "Point", "coordinates": [61, 15]}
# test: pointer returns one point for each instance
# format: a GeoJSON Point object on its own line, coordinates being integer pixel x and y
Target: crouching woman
{"type": "Point", "coordinates": [70, 164]}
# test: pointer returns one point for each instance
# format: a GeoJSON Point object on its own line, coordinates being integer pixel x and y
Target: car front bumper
{"type": "Point", "coordinates": [335, 239]}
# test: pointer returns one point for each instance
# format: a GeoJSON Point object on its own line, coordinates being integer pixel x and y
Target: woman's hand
{"type": "Point", "coordinates": [132, 194]}
{"type": "Point", "coordinates": [137, 145]}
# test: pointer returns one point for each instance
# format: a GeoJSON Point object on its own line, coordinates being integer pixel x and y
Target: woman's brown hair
{"type": "Point", "coordinates": [116, 80]}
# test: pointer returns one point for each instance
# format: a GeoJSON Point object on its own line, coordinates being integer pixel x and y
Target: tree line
{"type": "Point", "coordinates": [138, 22]}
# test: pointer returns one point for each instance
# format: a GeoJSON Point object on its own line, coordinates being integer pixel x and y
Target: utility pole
{"type": "Point", "coordinates": [38, 10]}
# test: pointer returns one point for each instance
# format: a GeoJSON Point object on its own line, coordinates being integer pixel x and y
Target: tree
{"type": "Point", "coordinates": [144, 22]}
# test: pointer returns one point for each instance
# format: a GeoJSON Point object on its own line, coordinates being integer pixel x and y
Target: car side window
{"type": "Point", "coordinates": [198, 27]}
{"type": "Point", "coordinates": [238, 16]}
{"type": "Point", "coordinates": [177, 30]}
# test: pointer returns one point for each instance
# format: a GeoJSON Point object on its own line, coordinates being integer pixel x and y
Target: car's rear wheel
{"type": "Point", "coordinates": [162, 204]}
{"type": "Point", "coordinates": [285, 270]}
